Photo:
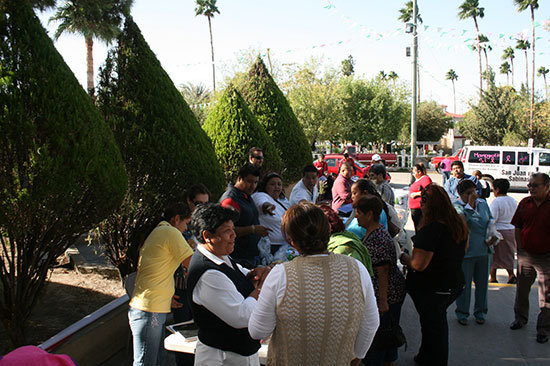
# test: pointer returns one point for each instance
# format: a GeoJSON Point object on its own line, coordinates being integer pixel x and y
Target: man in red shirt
{"type": "Point", "coordinates": [532, 233]}
{"type": "Point", "coordinates": [321, 165]}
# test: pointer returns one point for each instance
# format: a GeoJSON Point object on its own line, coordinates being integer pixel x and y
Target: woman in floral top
{"type": "Point", "coordinates": [388, 281]}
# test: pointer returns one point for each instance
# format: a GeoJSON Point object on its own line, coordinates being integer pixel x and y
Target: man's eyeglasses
{"type": "Point", "coordinates": [533, 185]}
{"type": "Point", "coordinates": [257, 157]}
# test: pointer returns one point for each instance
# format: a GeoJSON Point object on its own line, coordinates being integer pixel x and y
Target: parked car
{"type": "Point", "coordinates": [335, 160]}
{"type": "Point", "coordinates": [366, 158]}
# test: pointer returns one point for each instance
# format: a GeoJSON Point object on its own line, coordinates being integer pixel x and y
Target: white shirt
{"type": "Point", "coordinates": [263, 319]}
{"type": "Point", "coordinates": [503, 209]}
{"type": "Point", "coordinates": [272, 222]}
{"type": "Point", "coordinates": [301, 193]}
{"type": "Point", "coordinates": [216, 292]}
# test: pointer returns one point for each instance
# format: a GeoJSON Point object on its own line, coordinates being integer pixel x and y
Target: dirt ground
{"type": "Point", "coordinates": [67, 297]}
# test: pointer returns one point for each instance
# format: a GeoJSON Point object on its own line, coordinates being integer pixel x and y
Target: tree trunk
{"type": "Point", "coordinates": [212, 48]}
{"type": "Point", "coordinates": [508, 78]}
{"type": "Point", "coordinates": [512, 67]}
{"type": "Point", "coordinates": [479, 57]}
{"type": "Point", "coordinates": [545, 86]}
{"type": "Point", "coordinates": [533, 70]}
{"type": "Point", "coordinates": [454, 96]}
{"type": "Point", "coordinates": [90, 65]}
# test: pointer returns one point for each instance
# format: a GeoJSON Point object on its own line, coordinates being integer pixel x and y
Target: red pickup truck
{"type": "Point", "coordinates": [436, 160]}
{"type": "Point", "coordinates": [335, 160]}
{"type": "Point", "coordinates": [366, 158]}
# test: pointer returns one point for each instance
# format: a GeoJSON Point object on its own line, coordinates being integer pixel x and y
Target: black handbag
{"type": "Point", "coordinates": [389, 336]}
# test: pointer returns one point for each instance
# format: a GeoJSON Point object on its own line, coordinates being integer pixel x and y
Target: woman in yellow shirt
{"type": "Point", "coordinates": [161, 254]}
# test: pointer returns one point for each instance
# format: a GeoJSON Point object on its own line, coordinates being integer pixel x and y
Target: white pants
{"type": "Point", "coordinates": [209, 356]}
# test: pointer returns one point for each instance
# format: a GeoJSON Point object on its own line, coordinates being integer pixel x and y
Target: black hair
{"type": "Point", "coordinates": [174, 209]}
{"type": "Point", "coordinates": [370, 204]}
{"type": "Point", "coordinates": [247, 170]}
{"type": "Point", "coordinates": [378, 169]}
{"type": "Point", "coordinates": [457, 162]}
{"type": "Point", "coordinates": [194, 191]}
{"type": "Point", "coordinates": [368, 186]}
{"type": "Point", "coordinates": [421, 168]}
{"type": "Point", "coordinates": [266, 178]}
{"type": "Point", "coordinates": [346, 155]}
{"type": "Point", "coordinates": [209, 217]}
{"type": "Point", "coordinates": [544, 176]}
{"type": "Point", "coordinates": [464, 185]}
{"type": "Point", "coordinates": [309, 169]}
{"type": "Point", "coordinates": [503, 185]}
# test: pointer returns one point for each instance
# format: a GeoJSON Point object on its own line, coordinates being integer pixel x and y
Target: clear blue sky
{"type": "Point", "coordinates": [296, 30]}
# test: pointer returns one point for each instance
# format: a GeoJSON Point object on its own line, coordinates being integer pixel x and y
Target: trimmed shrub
{"type": "Point", "coordinates": [162, 144]}
{"type": "Point", "coordinates": [61, 170]}
{"type": "Point", "coordinates": [271, 108]}
{"type": "Point", "coordinates": [234, 130]}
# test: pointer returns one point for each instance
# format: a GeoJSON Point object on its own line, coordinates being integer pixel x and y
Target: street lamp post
{"type": "Point", "coordinates": [414, 83]}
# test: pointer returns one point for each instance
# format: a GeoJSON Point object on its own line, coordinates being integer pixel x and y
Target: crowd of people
{"type": "Point", "coordinates": [337, 299]}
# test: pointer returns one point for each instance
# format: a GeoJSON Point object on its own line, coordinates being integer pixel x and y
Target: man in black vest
{"type": "Point", "coordinates": [247, 228]}
{"type": "Point", "coordinates": [223, 292]}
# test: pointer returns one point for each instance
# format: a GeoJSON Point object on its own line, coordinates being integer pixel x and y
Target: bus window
{"type": "Point", "coordinates": [484, 157]}
{"type": "Point", "coordinates": [544, 159]}
{"type": "Point", "coordinates": [524, 158]}
{"type": "Point", "coordinates": [509, 157]}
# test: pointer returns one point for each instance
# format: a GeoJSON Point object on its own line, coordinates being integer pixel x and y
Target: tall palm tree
{"type": "Point", "coordinates": [542, 71]}
{"type": "Point", "coordinates": [451, 75]}
{"type": "Point", "coordinates": [195, 94]}
{"type": "Point", "coordinates": [532, 5]}
{"type": "Point", "coordinates": [524, 45]}
{"type": "Point", "coordinates": [484, 45]}
{"type": "Point", "coordinates": [471, 9]}
{"type": "Point", "coordinates": [99, 19]}
{"type": "Point", "coordinates": [505, 69]}
{"type": "Point", "coordinates": [208, 8]}
{"type": "Point", "coordinates": [508, 53]}
{"type": "Point", "coordinates": [406, 14]}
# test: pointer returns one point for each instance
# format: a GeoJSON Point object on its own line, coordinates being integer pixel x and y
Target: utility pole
{"type": "Point", "coordinates": [414, 82]}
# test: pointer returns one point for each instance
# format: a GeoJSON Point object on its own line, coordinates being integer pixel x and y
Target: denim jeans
{"type": "Point", "coordinates": [148, 333]}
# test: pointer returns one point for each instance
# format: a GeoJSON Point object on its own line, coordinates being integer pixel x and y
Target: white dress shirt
{"type": "Point", "coordinates": [216, 292]}
{"type": "Point", "coordinates": [263, 319]}
{"type": "Point", "coordinates": [301, 193]}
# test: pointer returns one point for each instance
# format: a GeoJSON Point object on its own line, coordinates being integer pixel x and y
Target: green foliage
{"type": "Point", "coordinates": [373, 112]}
{"type": "Point", "coordinates": [347, 66]}
{"type": "Point", "coordinates": [406, 13]}
{"type": "Point", "coordinates": [494, 116]}
{"type": "Point", "coordinates": [315, 101]}
{"type": "Point", "coordinates": [432, 123]}
{"type": "Point", "coordinates": [162, 144]}
{"type": "Point", "coordinates": [271, 108]}
{"type": "Point", "coordinates": [61, 171]}
{"type": "Point", "coordinates": [234, 130]}
{"type": "Point", "coordinates": [198, 97]}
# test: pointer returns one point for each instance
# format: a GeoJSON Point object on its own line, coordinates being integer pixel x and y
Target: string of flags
{"type": "Point", "coordinates": [446, 38]}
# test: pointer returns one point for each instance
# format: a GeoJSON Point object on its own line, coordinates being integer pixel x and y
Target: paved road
{"type": "Point", "coordinates": [480, 345]}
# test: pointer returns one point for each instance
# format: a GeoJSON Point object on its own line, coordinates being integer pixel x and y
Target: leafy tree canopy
{"type": "Point", "coordinates": [432, 123]}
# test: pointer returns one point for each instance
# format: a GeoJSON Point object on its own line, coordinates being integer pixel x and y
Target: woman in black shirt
{"type": "Point", "coordinates": [435, 277]}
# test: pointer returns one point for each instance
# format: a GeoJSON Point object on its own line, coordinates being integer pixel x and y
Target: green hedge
{"type": "Point", "coordinates": [61, 171]}
{"type": "Point", "coordinates": [162, 144]}
{"type": "Point", "coordinates": [271, 108]}
{"type": "Point", "coordinates": [234, 130]}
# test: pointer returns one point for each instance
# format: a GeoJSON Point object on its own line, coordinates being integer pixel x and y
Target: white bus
{"type": "Point", "coordinates": [513, 163]}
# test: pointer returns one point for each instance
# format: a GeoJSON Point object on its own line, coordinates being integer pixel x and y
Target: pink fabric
{"type": "Point", "coordinates": [32, 355]}
{"type": "Point", "coordinates": [415, 187]}
{"type": "Point", "coordinates": [341, 192]}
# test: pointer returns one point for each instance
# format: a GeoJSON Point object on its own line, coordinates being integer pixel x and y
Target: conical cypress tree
{"type": "Point", "coordinates": [162, 144]}
{"type": "Point", "coordinates": [271, 108]}
{"type": "Point", "coordinates": [234, 130]}
{"type": "Point", "coordinates": [60, 172]}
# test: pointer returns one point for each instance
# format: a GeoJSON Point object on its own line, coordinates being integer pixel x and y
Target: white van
{"type": "Point", "coordinates": [508, 162]}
